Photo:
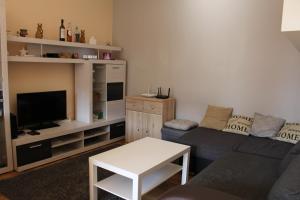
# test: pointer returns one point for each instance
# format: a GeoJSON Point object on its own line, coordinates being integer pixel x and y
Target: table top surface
{"type": "Point", "coordinates": [140, 156]}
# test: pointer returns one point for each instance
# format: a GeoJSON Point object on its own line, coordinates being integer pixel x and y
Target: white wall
{"type": "Point", "coordinates": [222, 52]}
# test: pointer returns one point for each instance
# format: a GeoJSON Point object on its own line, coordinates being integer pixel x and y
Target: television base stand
{"type": "Point", "coordinates": [43, 126]}
{"type": "Point", "coordinates": [34, 133]}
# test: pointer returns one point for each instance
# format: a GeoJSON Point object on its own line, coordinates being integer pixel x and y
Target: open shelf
{"type": "Point", "coordinates": [122, 186]}
{"type": "Point", "coordinates": [66, 148]}
{"type": "Point", "coordinates": [29, 40]}
{"type": "Point", "coordinates": [37, 59]}
{"type": "Point", "coordinates": [96, 139]}
{"type": "Point", "coordinates": [66, 139]}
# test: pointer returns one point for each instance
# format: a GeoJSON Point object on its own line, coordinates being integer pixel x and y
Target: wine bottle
{"type": "Point", "coordinates": [69, 33]}
{"type": "Point", "coordinates": [62, 31]}
{"type": "Point", "coordinates": [77, 34]}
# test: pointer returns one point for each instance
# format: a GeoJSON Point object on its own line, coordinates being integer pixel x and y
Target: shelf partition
{"type": "Point", "coordinates": [29, 40]}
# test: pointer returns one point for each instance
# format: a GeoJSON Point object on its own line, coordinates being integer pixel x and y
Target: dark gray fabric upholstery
{"type": "Point", "coordinates": [171, 134]}
{"type": "Point", "coordinates": [265, 147]}
{"type": "Point", "coordinates": [287, 187]}
{"type": "Point", "coordinates": [191, 192]}
{"type": "Point", "coordinates": [289, 157]}
{"type": "Point", "coordinates": [211, 144]}
{"type": "Point", "coordinates": [243, 175]}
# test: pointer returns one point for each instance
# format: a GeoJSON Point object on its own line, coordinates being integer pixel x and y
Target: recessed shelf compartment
{"type": "Point", "coordinates": [97, 139]}
{"type": "Point", "coordinates": [122, 186]}
{"type": "Point", "coordinates": [67, 139]}
{"type": "Point", "coordinates": [66, 148]}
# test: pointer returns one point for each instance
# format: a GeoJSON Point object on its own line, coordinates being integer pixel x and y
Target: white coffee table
{"type": "Point", "coordinates": [139, 167]}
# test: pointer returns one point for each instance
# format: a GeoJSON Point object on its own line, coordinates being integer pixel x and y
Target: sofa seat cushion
{"type": "Point", "coordinates": [265, 147]}
{"type": "Point", "coordinates": [171, 134]}
{"type": "Point", "coordinates": [210, 144]}
{"type": "Point", "coordinates": [244, 175]}
{"type": "Point", "coordinates": [193, 192]}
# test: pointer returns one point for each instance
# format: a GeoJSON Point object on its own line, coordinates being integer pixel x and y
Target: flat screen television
{"type": "Point", "coordinates": [41, 109]}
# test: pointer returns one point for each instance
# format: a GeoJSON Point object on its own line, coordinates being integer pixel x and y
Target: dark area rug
{"type": "Point", "coordinates": [66, 180]}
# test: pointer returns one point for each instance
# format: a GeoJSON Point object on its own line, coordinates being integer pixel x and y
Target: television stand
{"type": "Point", "coordinates": [43, 126]}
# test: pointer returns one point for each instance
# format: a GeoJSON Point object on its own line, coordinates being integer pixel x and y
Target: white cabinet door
{"type": "Point", "coordinates": [152, 125]}
{"type": "Point", "coordinates": [115, 73]}
{"type": "Point", "coordinates": [134, 128]}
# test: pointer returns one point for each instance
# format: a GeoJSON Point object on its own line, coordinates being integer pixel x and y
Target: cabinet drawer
{"type": "Point", "coordinates": [117, 130]}
{"type": "Point", "coordinates": [134, 105]}
{"type": "Point", "coordinates": [153, 107]}
{"type": "Point", "coordinates": [33, 152]}
{"type": "Point", "coordinates": [115, 73]}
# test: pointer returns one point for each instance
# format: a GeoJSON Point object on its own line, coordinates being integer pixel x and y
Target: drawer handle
{"type": "Point", "coordinates": [116, 67]}
{"type": "Point", "coordinates": [119, 125]}
{"type": "Point", "coordinates": [35, 146]}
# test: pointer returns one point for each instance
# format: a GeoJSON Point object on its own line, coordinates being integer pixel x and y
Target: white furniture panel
{"type": "Point", "coordinates": [83, 92]}
{"type": "Point", "coordinates": [116, 73]}
{"type": "Point", "coordinates": [115, 109]}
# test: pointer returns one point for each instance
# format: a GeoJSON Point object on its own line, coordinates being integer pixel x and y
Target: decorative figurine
{"type": "Point", "coordinates": [23, 32]}
{"type": "Point", "coordinates": [82, 36]}
{"type": "Point", "coordinates": [107, 56]}
{"type": "Point", "coordinates": [39, 31]}
{"type": "Point", "coordinates": [23, 52]}
{"type": "Point", "coordinates": [93, 40]}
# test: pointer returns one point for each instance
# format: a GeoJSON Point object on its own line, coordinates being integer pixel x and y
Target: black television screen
{"type": "Point", "coordinates": [41, 107]}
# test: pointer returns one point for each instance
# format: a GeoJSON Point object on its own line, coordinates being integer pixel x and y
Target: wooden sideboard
{"type": "Point", "coordinates": [146, 116]}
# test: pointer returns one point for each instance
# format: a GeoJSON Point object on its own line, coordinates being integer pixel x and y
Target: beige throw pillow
{"type": "Point", "coordinates": [216, 117]}
{"type": "Point", "coordinates": [239, 124]}
{"type": "Point", "coordinates": [290, 132]}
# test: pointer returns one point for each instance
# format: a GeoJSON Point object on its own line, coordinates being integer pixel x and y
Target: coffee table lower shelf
{"type": "Point", "coordinates": [122, 186]}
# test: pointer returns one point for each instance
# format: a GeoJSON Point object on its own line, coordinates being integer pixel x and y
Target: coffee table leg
{"type": "Point", "coordinates": [185, 168]}
{"type": "Point", "coordinates": [93, 180]}
{"type": "Point", "coordinates": [136, 188]}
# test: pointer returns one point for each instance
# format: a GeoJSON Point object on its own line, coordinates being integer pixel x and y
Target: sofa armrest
{"type": "Point", "coordinates": [194, 192]}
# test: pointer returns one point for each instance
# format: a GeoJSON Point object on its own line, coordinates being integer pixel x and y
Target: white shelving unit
{"type": "Point", "coordinates": [72, 137]}
{"type": "Point", "coordinates": [6, 162]}
{"type": "Point", "coordinates": [60, 43]}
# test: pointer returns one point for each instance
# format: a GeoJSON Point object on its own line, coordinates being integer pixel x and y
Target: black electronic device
{"type": "Point", "coordinates": [13, 126]}
{"type": "Point", "coordinates": [40, 110]}
{"type": "Point", "coordinates": [161, 96]}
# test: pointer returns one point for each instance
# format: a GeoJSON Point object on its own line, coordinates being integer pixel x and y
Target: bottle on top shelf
{"type": "Point", "coordinates": [62, 31]}
{"type": "Point", "coordinates": [69, 33]}
{"type": "Point", "coordinates": [77, 34]}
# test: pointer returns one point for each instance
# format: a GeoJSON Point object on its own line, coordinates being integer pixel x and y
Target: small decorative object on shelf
{"type": "Point", "coordinates": [23, 52]}
{"type": "Point", "coordinates": [90, 57]}
{"type": "Point", "coordinates": [69, 33]}
{"type": "Point", "coordinates": [82, 36]}
{"type": "Point", "coordinates": [107, 56]}
{"type": "Point", "coordinates": [75, 56]}
{"type": "Point", "coordinates": [93, 40]}
{"type": "Point", "coordinates": [23, 32]}
{"type": "Point", "coordinates": [77, 34]}
{"type": "Point", "coordinates": [39, 32]}
{"type": "Point", "coordinates": [62, 31]}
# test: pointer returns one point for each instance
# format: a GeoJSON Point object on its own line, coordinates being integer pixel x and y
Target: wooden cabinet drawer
{"type": "Point", "coordinates": [153, 107]}
{"type": "Point", "coordinates": [134, 105]}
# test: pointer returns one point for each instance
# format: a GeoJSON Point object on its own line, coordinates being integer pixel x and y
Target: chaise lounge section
{"type": "Point", "coordinates": [245, 167]}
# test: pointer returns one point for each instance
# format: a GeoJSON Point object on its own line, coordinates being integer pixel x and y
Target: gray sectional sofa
{"type": "Point", "coordinates": [232, 166]}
